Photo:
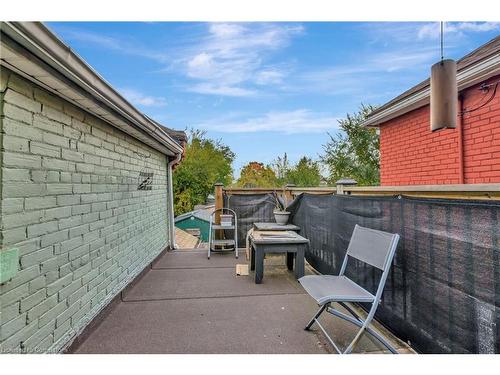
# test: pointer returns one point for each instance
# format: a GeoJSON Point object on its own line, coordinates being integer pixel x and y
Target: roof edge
{"type": "Point", "coordinates": [44, 44]}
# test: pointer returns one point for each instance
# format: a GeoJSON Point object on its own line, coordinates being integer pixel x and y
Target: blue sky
{"type": "Point", "coordinates": [265, 88]}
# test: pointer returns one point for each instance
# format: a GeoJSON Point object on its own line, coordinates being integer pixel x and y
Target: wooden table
{"type": "Point", "coordinates": [266, 242]}
{"type": "Point", "coordinates": [266, 227]}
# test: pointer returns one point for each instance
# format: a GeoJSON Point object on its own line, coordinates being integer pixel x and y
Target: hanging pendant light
{"type": "Point", "coordinates": [444, 92]}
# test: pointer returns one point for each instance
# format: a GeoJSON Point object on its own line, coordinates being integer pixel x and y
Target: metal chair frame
{"type": "Point", "coordinates": [355, 318]}
{"type": "Point", "coordinates": [212, 222]}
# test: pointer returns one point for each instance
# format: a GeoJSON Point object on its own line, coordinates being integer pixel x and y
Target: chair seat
{"type": "Point", "coordinates": [328, 288]}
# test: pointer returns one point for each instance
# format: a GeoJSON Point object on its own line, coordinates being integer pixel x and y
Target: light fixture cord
{"type": "Point", "coordinates": [442, 41]}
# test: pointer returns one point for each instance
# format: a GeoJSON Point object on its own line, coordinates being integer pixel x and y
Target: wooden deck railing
{"type": "Point", "coordinates": [486, 192]}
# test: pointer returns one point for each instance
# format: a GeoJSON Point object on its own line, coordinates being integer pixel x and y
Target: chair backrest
{"type": "Point", "coordinates": [373, 247]}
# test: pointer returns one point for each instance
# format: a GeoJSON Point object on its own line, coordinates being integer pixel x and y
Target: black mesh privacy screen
{"type": "Point", "coordinates": [443, 292]}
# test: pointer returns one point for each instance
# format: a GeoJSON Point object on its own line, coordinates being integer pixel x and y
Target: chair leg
{"type": "Point", "coordinates": [320, 311]}
{"type": "Point", "coordinates": [365, 327]}
{"type": "Point", "coordinates": [356, 320]}
{"type": "Point", "coordinates": [351, 311]}
{"type": "Point", "coordinates": [355, 340]}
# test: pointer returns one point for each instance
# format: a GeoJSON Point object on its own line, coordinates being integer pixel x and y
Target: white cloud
{"type": "Point", "coordinates": [140, 99]}
{"type": "Point", "coordinates": [394, 60]}
{"type": "Point", "coordinates": [270, 77]}
{"type": "Point", "coordinates": [406, 48]}
{"type": "Point", "coordinates": [201, 66]}
{"type": "Point", "coordinates": [226, 30]}
{"type": "Point", "coordinates": [111, 43]}
{"type": "Point", "coordinates": [230, 59]}
{"type": "Point", "coordinates": [291, 122]}
{"type": "Point", "coordinates": [211, 89]}
{"type": "Point", "coordinates": [357, 79]}
{"type": "Point", "coordinates": [478, 26]}
{"type": "Point", "coordinates": [432, 30]}
{"type": "Point", "coordinates": [401, 59]}
{"type": "Point", "coordinates": [391, 33]}
{"type": "Point", "coordinates": [97, 39]}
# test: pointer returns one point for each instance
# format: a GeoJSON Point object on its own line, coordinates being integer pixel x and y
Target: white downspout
{"type": "Point", "coordinates": [171, 222]}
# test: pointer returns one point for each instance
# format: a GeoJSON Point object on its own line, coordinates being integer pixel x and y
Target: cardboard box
{"type": "Point", "coordinates": [242, 270]}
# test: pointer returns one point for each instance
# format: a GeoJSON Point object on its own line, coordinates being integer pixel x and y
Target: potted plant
{"type": "Point", "coordinates": [281, 215]}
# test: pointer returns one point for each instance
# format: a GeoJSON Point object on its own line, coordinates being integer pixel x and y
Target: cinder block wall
{"type": "Point", "coordinates": [413, 155]}
{"type": "Point", "coordinates": [71, 204]}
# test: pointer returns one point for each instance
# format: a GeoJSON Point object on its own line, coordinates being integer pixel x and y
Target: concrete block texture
{"type": "Point", "coordinates": [71, 204]}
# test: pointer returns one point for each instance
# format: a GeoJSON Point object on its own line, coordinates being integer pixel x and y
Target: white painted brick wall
{"type": "Point", "coordinates": [70, 204]}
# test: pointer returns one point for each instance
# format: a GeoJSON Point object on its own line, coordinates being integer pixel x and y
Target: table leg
{"type": "Point", "coordinates": [248, 249]}
{"type": "Point", "coordinates": [252, 258]}
{"type": "Point", "coordinates": [289, 260]}
{"type": "Point", "coordinates": [259, 265]}
{"type": "Point", "coordinates": [299, 262]}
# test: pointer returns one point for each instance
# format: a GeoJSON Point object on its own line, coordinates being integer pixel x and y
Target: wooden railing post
{"type": "Point", "coordinates": [219, 203]}
{"type": "Point", "coordinates": [344, 182]}
{"type": "Point", "coordinates": [288, 193]}
{"type": "Point", "coordinates": [219, 200]}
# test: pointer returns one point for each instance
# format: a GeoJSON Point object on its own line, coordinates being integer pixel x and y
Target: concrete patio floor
{"type": "Point", "coordinates": [188, 304]}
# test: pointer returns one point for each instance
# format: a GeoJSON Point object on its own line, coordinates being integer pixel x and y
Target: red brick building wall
{"type": "Point", "coordinates": [412, 155]}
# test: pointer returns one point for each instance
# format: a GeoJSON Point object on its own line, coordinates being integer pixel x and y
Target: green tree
{"type": "Point", "coordinates": [206, 161]}
{"type": "Point", "coordinates": [354, 152]}
{"type": "Point", "coordinates": [305, 173]}
{"type": "Point", "coordinates": [281, 167]}
{"type": "Point", "coordinates": [256, 174]}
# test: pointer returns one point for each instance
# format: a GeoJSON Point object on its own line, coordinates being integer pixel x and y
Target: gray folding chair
{"type": "Point", "coordinates": [370, 246]}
